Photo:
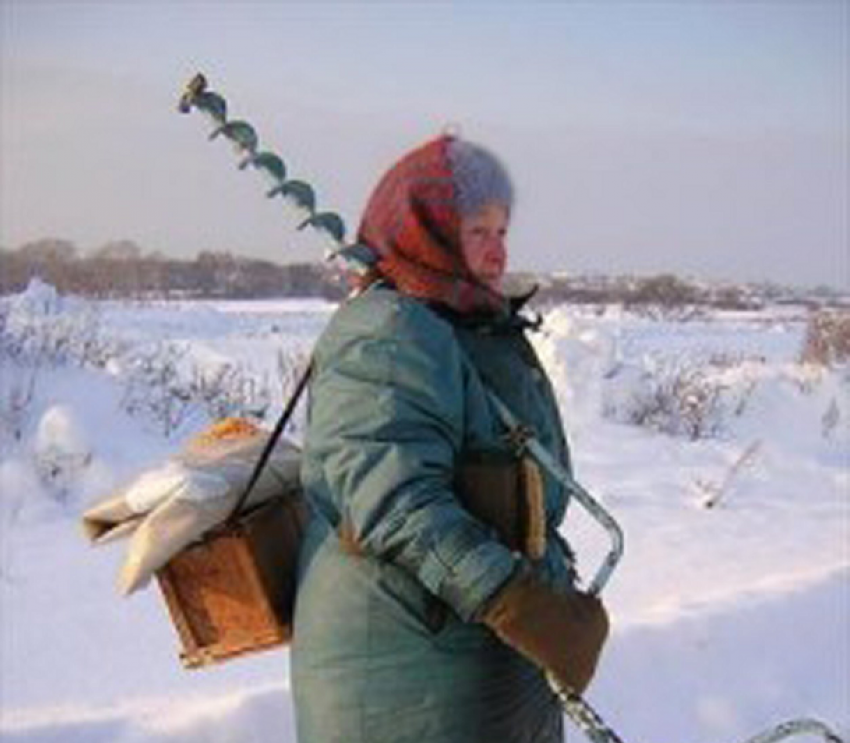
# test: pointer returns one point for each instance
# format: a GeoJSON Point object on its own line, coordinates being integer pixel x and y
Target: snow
{"type": "Point", "coordinates": [726, 620]}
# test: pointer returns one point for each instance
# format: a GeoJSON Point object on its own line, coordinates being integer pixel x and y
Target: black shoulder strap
{"type": "Point", "coordinates": [271, 443]}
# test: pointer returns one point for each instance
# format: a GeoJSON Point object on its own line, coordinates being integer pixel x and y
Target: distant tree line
{"type": "Point", "coordinates": [121, 269]}
{"type": "Point", "coordinates": [668, 295]}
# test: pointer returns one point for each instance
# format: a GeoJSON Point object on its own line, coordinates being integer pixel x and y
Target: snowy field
{"type": "Point", "coordinates": [724, 459]}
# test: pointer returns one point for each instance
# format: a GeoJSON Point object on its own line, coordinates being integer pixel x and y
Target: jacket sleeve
{"type": "Point", "coordinates": [387, 423]}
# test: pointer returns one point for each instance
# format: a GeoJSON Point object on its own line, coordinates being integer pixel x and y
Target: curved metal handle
{"type": "Point", "coordinates": [796, 727]}
{"type": "Point", "coordinates": [594, 727]}
{"type": "Point", "coordinates": [594, 508]}
{"type": "Point", "coordinates": [591, 505]}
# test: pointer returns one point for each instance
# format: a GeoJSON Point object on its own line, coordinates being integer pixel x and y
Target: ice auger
{"type": "Point", "coordinates": [359, 259]}
{"type": "Point", "coordinates": [298, 193]}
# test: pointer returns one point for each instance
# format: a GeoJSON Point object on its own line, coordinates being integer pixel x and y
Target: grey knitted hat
{"type": "Point", "coordinates": [479, 177]}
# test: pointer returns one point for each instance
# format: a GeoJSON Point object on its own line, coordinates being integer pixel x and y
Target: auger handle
{"type": "Point", "coordinates": [594, 727]}
{"type": "Point", "coordinates": [593, 507]}
{"type": "Point", "coordinates": [796, 727]}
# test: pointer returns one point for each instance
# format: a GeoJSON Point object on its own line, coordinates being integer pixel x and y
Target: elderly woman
{"type": "Point", "coordinates": [415, 620]}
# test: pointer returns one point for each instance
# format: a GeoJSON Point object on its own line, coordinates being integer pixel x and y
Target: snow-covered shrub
{"type": "Point", "coordinates": [40, 325]}
{"type": "Point", "coordinates": [601, 367]}
{"type": "Point", "coordinates": [17, 386]}
{"type": "Point", "coordinates": [833, 390]}
{"type": "Point", "coordinates": [17, 393]}
{"type": "Point", "coordinates": [229, 390]}
{"type": "Point", "coordinates": [681, 396]}
{"type": "Point", "coordinates": [827, 339]}
{"type": "Point", "coordinates": [166, 385]}
{"type": "Point", "coordinates": [825, 359]}
{"type": "Point", "coordinates": [687, 402]}
{"type": "Point", "coordinates": [154, 387]}
{"type": "Point", "coordinates": [46, 329]}
{"type": "Point", "coordinates": [61, 451]}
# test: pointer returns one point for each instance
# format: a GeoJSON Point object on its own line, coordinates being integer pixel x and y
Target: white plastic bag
{"type": "Point", "coordinates": [170, 506]}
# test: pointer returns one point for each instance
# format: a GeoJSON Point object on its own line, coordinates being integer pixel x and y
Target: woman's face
{"type": "Point", "coordinates": [482, 240]}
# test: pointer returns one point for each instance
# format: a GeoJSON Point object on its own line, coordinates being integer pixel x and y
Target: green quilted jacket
{"type": "Point", "coordinates": [386, 648]}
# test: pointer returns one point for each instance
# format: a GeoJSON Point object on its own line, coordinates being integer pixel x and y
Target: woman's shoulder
{"type": "Point", "coordinates": [381, 312]}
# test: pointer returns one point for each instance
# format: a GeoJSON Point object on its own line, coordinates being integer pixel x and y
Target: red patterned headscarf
{"type": "Point", "coordinates": [412, 222]}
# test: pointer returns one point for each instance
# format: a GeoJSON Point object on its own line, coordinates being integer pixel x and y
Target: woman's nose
{"type": "Point", "coordinates": [496, 243]}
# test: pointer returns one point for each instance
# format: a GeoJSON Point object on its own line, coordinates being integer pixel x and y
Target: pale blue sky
{"type": "Point", "coordinates": [704, 138]}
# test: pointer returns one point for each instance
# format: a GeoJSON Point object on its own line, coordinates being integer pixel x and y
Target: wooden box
{"type": "Point", "coordinates": [233, 592]}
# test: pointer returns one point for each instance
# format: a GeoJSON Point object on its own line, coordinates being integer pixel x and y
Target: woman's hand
{"type": "Point", "coordinates": [562, 633]}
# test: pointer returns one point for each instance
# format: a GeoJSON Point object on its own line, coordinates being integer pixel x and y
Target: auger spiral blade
{"type": "Point", "coordinates": [241, 134]}
{"type": "Point", "coordinates": [213, 106]}
{"type": "Point", "coordinates": [299, 193]}
{"type": "Point", "coordinates": [270, 165]}
{"type": "Point", "coordinates": [327, 222]}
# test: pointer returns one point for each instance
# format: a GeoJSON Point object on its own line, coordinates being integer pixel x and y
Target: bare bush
{"type": "Point", "coordinates": [160, 382]}
{"type": "Point", "coordinates": [164, 386]}
{"type": "Point", "coordinates": [47, 330]}
{"type": "Point", "coordinates": [43, 332]}
{"type": "Point", "coordinates": [688, 403]}
{"type": "Point", "coordinates": [683, 397]}
{"type": "Point", "coordinates": [17, 393]}
{"type": "Point", "coordinates": [827, 339]}
{"type": "Point", "coordinates": [154, 389]}
{"type": "Point", "coordinates": [17, 386]}
{"type": "Point", "coordinates": [230, 390]}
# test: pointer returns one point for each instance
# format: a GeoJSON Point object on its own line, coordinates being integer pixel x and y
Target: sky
{"type": "Point", "coordinates": [708, 139]}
